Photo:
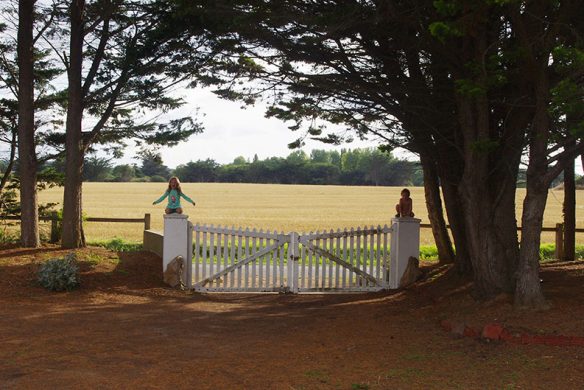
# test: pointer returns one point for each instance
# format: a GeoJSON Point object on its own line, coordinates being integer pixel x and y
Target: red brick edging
{"type": "Point", "coordinates": [497, 332]}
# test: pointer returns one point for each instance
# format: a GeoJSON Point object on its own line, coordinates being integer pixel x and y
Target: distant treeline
{"type": "Point", "coordinates": [347, 167]}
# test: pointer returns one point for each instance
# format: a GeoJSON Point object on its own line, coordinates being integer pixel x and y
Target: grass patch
{"type": "Point", "coordinates": [118, 245]}
{"type": "Point", "coordinates": [94, 259]}
{"type": "Point", "coordinates": [404, 373]}
{"type": "Point", "coordinates": [318, 375]}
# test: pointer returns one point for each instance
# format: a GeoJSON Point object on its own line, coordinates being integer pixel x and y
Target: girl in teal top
{"type": "Point", "coordinates": [174, 193]}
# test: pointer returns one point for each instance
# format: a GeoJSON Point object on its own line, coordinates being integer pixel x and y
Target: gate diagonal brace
{"type": "Point", "coordinates": [338, 260]}
{"type": "Point", "coordinates": [243, 262]}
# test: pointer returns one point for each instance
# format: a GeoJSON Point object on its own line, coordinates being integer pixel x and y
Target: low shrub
{"type": "Point", "coordinates": [60, 274]}
{"type": "Point", "coordinates": [428, 252]}
{"type": "Point", "coordinates": [118, 244]}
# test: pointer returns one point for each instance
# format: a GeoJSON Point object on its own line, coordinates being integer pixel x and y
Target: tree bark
{"type": "Point", "coordinates": [10, 166]}
{"type": "Point", "coordinates": [72, 231]}
{"type": "Point", "coordinates": [528, 291]}
{"type": "Point", "coordinates": [455, 214]}
{"type": "Point", "coordinates": [435, 211]}
{"type": "Point", "coordinates": [29, 230]}
{"type": "Point", "coordinates": [492, 242]}
{"type": "Point", "coordinates": [570, 211]}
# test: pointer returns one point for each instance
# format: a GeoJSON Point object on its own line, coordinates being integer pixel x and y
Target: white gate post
{"type": "Point", "coordinates": [293, 255]}
{"type": "Point", "coordinates": [405, 243]}
{"type": "Point", "coordinates": [176, 242]}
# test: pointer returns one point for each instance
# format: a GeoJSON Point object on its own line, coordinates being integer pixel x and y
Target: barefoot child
{"type": "Point", "coordinates": [404, 207]}
{"type": "Point", "coordinates": [174, 194]}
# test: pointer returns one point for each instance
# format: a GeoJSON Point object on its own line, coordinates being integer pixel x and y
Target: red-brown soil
{"type": "Point", "coordinates": [124, 329]}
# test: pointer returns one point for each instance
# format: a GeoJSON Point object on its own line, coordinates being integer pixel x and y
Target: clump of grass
{"type": "Point", "coordinates": [547, 252]}
{"type": "Point", "coordinates": [118, 244]}
{"type": "Point", "coordinates": [428, 252]}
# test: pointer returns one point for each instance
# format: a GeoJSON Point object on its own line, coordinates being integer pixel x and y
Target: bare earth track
{"type": "Point", "coordinates": [124, 329]}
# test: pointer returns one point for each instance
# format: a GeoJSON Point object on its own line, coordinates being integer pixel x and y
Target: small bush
{"type": "Point", "coordinates": [59, 274]}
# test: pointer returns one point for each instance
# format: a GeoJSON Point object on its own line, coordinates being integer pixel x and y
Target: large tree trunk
{"type": "Point", "coordinates": [455, 214]}
{"type": "Point", "coordinates": [569, 212]}
{"type": "Point", "coordinates": [528, 291]}
{"type": "Point", "coordinates": [29, 230]}
{"type": "Point", "coordinates": [487, 201]}
{"type": "Point", "coordinates": [435, 211]}
{"type": "Point", "coordinates": [492, 237]}
{"type": "Point", "coordinates": [72, 233]}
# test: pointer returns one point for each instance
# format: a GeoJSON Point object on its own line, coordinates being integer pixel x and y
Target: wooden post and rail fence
{"type": "Point", "coordinates": [55, 231]}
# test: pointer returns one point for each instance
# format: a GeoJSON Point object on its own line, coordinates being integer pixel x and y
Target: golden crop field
{"type": "Point", "coordinates": [286, 208]}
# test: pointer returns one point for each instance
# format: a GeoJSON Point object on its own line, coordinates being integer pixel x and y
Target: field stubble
{"type": "Point", "coordinates": [285, 208]}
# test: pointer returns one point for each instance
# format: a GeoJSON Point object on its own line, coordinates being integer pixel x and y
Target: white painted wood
{"type": "Point", "coordinates": [358, 255]}
{"type": "Point", "coordinates": [232, 277]}
{"type": "Point", "coordinates": [378, 257]}
{"type": "Point", "coordinates": [345, 256]}
{"type": "Point", "coordinates": [239, 256]}
{"type": "Point", "coordinates": [326, 261]}
{"type": "Point", "coordinates": [212, 253]}
{"type": "Point", "coordinates": [385, 269]}
{"type": "Point", "coordinates": [372, 257]}
{"type": "Point", "coordinates": [175, 242]}
{"type": "Point", "coordinates": [205, 254]}
{"type": "Point", "coordinates": [337, 266]}
{"type": "Point", "coordinates": [260, 263]}
{"type": "Point", "coordinates": [197, 253]}
{"type": "Point", "coordinates": [405, 242]}
{"type": "Point", "coordinates": [247, 254]}
{"type": "Point", "coordinates": [254, 263]}
{"type": "Point", "coordinates": [310, 258]}
{"type": "Point", "coordinates": [189, 265]}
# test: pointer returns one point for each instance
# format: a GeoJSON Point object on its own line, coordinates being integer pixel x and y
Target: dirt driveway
{"type": "Point", "coordinates": [124, 329]}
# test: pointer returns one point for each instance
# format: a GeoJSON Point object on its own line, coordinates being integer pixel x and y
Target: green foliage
{"type": "Point", "coordinates": [444, 30]}
{"type": "Point", "coordinates": [469, 88]}
{"type": "Point", "coordinates": [118, 244]}
{"type": "Point", "coordinates": [485, 146]}
{"type": "Point", "coordinates": [447, 8]}
{"type": "Point", "coordinates": [158, 179]}
{"type": "Point", "coordinates": [547, 252]}
{"type": "Point", "coordinates": [428, 252]}
{"type": "Point", "coordinates": [61, 274]}
{"type": "Point", "coordinates": [349, 167]}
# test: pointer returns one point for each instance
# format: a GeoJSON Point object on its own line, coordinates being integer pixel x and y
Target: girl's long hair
{"type": "Point", "coordinates": [177, 184]}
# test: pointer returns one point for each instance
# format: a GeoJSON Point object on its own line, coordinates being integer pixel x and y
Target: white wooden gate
{"type": "Point", "coordinates": [237, 260]}
{"type": "Point", "coordinates": [348, 260]}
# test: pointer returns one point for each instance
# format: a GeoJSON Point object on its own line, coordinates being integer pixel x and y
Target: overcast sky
{"type": "Point", "coordinates": [231, 131]}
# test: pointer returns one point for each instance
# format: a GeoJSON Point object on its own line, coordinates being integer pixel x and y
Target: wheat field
{"type": "Point", "coordinates": [285, 208]}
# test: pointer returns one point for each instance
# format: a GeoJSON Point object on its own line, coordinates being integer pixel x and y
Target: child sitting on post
{"type": "Point", "coordinates": [174, 193]}
{"type": "Point", "coordinates": [404, 207]}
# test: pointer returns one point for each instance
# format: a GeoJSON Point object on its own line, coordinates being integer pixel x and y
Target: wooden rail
{"type": "Point", "coordinates": [54, 219]}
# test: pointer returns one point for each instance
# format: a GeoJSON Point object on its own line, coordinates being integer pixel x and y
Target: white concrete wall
{"type": "Point", "coordinates": [175, 240]}
{"type": "Point", "coordinates": [405, 242]}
